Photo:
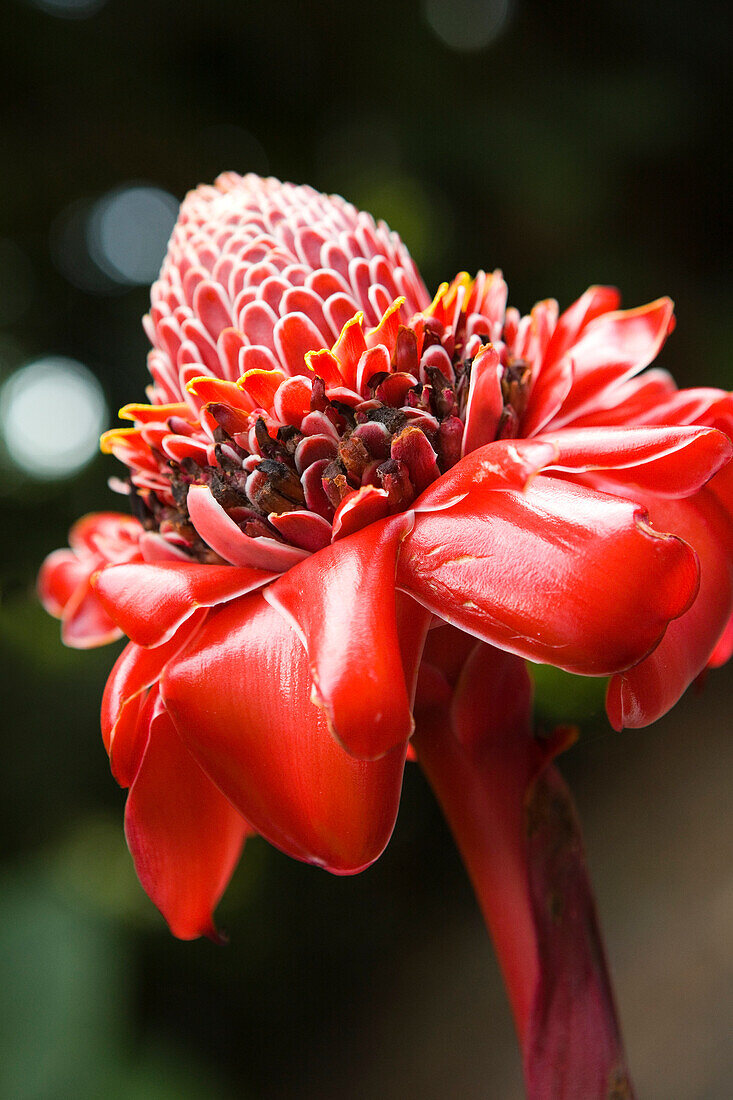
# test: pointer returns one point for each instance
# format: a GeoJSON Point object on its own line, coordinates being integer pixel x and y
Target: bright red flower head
{"type": "Point", "coordinates": [330, 465]}
{"type": "Point", "coordinates": [328, 461]}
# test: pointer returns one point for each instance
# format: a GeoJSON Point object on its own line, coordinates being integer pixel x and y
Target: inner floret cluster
{"type": "Point", "coordinates": [303, 383]}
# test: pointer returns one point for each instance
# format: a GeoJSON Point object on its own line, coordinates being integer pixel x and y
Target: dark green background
{"type": "Point", "coordinates": [585, 144]}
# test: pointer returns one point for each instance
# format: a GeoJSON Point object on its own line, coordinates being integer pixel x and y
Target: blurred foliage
{"type": "Point", "coordinates": [67, 1007]}
{"type": "Point", "coordinates": [583, 144]}
{"type": "Point", "coordinates": [561, 698]}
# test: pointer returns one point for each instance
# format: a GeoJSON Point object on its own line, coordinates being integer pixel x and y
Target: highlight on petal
{"type": "Point", "coordinates": [559, 573]}
{"type": "Point", "coordinates": [264, 743]}
{"type": "Point", "coordinates": [184, 836]}
{"type": "Point", "coordinates": [341, 603]}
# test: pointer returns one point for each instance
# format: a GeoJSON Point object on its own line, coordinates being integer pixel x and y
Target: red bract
{"type": "Point", "coordinates": [356, 509]}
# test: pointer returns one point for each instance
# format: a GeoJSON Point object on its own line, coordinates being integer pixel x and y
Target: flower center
{"type": "Point", "coordinates": [308, 448]}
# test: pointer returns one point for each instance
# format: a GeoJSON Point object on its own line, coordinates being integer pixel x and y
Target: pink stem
{"type": "Point", "coordinates": [485, 815]}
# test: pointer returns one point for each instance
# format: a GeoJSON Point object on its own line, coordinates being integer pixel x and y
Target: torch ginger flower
{"type": "Point", "coordinates": [357, 512]}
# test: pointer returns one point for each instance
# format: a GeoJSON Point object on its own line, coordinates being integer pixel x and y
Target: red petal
{"type": "Point", "coordinates": [359, 509]}
{"type": "Point", "coordinates": [341, 603]}
{"type": "Point", "coordinates": [647, 691]}
{"type": "Point", "coordinates": [259, 358]}
{"type": "Point", "coordinates": [634, 402]}
{"type": "Point", "coordinates": [413, 626]}
{"type": "Point", "coordinates": [373, 361]}
{"type": "Point", "coordinates": [674, 461]}
{"type": "Point", "coordinates": [570, 324]}
{"type": "Point", "coordinates": [230, 343]}
{"type": "Point", "coordinates": [149, 602]}
{"type": "Point", "coordinates": [386, 331]}
{"type": "Point", "coordinates": [553, 381]}
{"type": "Point", "coordinates": [325, 365]}
{"type": "Point", "coordinates": [240, 698]}
{"type": "Point", "coordinates": [558, 573]}
{"type": "Point", "coordinates": [221, 533]}
{"type": "Point", "coordinates": [85, 624]}
{"type": "Point", "coordinates": [302, 528]}
{"type": "Point", "coordinates": [185, 838]}
{"type": "Point", "coordinates": [447, 649]}
{"type": "Point", "coordinates": [211, 305]}
{"type": "Point", "coordinates": [722, 486]}
{"type": "Point", "coordinates": [219, 391]}
{"type": "Point", "coordinates": [155, 548]}
{"type": "Point", "coordinates": [260, 386]}
{"type": "Point", "coordinates": [412, 448]}
{"type": "Point", "coordinates": [292, 400]}
{"type": "Point", "coordinates": [105, 528]}
{"type": "Point", "coordinates": [295, 335]}
{"type": "Point", "coordinates": [652, 400]}
{"type": "Point", "coordinates": [60, 575]}
{"type": "Point", "coordinates": [305, 301]}
{"type": "Point", "coordinates": [485, 401]}
{"type": "Point", "coordinates": [134, 671]}
{"type": "Point", "coordinates": [340, 309]}
{"type": "Point", "coordinates": [350, 347]}
{"type": "Point", "coordinates": [257, 321]}
{"type": "Point", "coordinates": [506, 464]}
{"type": "Point", "coordinates": [612, 348]}
{"type": "Point", "coordinates": [547, 396]}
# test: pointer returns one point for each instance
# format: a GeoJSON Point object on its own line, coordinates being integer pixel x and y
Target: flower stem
{"type": "Point", "coordinates": [516, 828]}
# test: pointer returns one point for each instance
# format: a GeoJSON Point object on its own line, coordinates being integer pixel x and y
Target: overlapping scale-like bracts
{"type": "Point", "coordinates": [258, 273]}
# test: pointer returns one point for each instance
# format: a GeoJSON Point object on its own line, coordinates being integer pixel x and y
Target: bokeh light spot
{"type": "Point", "coordinates": [52, 412]}
{"type": "Point", "coordinates": [128, 230]}
{"type": "Point", "coordinates": [467, 25]}
{"type": "Point", "coordinates": [70, 252]}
